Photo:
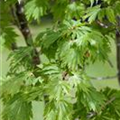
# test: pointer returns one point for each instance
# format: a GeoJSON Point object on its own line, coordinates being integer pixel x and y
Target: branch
{"type": "Point", "coordinates": [24, 28]}
{"type": "Point", "coordinates": [118, 47]}
{"type": "Point", "coordinates": [104, 78]}
{"type": "Point", "coordinates": [93, 113]}
{"type": "Point", "coordinates": [110, 101]}
{"type": "Point", "coordinates": [102, 24]}
{"type": "Point", "coordinates": [110, 63]}
{"type": "Point", "coordinates": [15, 21]}
{"type": "Point", "coordinates": [106, 26]}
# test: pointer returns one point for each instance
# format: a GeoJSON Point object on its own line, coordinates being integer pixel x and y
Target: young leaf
{"type": "Point", "coordinates": [110, 15]}
{"type": "Point", "coordinates": [34, 9]}
{"type": "Point", "coordinates": [17, 108]}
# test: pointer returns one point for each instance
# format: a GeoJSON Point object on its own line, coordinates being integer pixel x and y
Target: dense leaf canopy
{"type": "Point", "coordinates": [81, 34]}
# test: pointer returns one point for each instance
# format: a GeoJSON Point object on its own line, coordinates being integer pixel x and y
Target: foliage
{"type": "Point", "coordinates": [81, 34]}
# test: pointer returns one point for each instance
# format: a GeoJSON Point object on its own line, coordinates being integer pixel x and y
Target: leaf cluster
{"type": "Point", "coordinates": [81, 34]}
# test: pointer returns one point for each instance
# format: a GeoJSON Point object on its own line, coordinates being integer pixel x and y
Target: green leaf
{"type": "Point", "coordinates": [117, 8]}
{"type": "Point", "coordinates": [58, 9]}
{"type": "Point", "coordinates": [56, 88]}
{"type": "Point", "coordinates": [70, 56]}
{"type": "Point", "coordinates": [58, 110]}
{"type": "Point", "coordinates": [8, 37]}
{"type": "Point", "coordinates": [17, 108]}
{"type": "Point", "coordinates": [50, 69]}
{"type": "Point", "coordinates": [110, 15]}
{"type": "Point", "coordinates": [111, 107]}
{"type": "Point", "coordinates": [91, 99]}
{"type": "Point", "coordinates": [101, 14]}
{"type": "Point", "coordinates": [74, 10]}
{"type": "Point", "coordinates": [19, 58]}
{"type": "Point", "coordinates": [34, 9]}
{"type": "Point", "coordinates": [15, 81]}
{"type": "Point", "coordinates": [47, 38]}
{"type": "Point", "coordinates": [5, 16]}
{"type": "Point", "coordinates": [92, 13]}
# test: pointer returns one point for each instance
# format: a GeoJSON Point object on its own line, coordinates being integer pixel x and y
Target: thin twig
{"type": "Point", "coordinates": [102, 24]}
{"type": "Point", "coordinates": [110, 63]}
{"type": "Point", "coordinates": [110, 101]}
{"type": "Point", "coordinates": [93, 113]}
{"type": "Point", "coordinates": [104, 78]}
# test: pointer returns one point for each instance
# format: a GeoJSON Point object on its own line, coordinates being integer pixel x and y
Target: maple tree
{"type": "Point", "coordinates": [81, 34]}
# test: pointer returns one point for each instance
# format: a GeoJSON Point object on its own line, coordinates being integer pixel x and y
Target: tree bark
{"type": "Point", "coordinates": [118, 47]}
{"type": "Point", "coordinates": [24, 28]}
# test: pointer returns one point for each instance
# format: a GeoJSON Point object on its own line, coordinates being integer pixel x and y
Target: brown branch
{"type": "Point", "coordinates": [110, 101]}
{"type": "Point", "coordinates": [105, 26]}
{"type": "Point", "coordinates": [102, 24]}
{"type": "Point", "coordinates": [24, 28]}
{"type": "Point", "coordinates": [118, 47]}
{"type": "Point", "coordinates": [15, 21]}
{"type": "Point", "coordinates": [118, 53]}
